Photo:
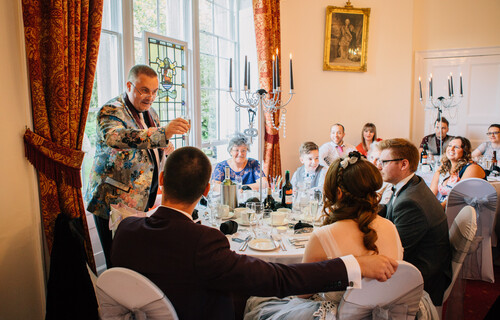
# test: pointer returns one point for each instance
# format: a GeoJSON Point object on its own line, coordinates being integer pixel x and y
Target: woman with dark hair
{"type": "Point", "coordinates": [351, 226]}
{"type": "Point", "coordinates": [456, 165]}
{"type": "Point", "coordinates": [368, 136]}
{"type": "Point", "coordinates": [487, 148]}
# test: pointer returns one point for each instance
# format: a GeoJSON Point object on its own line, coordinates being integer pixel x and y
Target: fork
{"type": "Point", "coordinates": [245, 243]}
{"type": "Point", "coordinates": [278, 239]}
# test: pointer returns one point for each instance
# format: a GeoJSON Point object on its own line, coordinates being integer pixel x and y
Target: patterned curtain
{"type": "Point", "coordinates": [62, 42]}
{"type": "Point", "coordinates": [268, 36]}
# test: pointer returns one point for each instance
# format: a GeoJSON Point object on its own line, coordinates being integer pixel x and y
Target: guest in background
{"type": "Point", "coordinates": [193, 264]}
{"type": "Point", "coordinates": [456, 165]}
{"type": "Point", "coordinates": [246, 170]}
{"type": "Point", "coordinates": [311, 171]}
{"type": "Point", "coordinates": [336, 148]}
{"type": "Point", "coordinates": [418, 216]}
{"type": "Point", "coordinates": [130, 146]}
{"type": "Point", "coordinates": [352, 226]}
{"type": "Point", "coordinates": [433, 141]}
{"type": "Point", "coordinates": [368, 136]}
{"type": "Point", "coordinates": [373, 156]}
{"type": "Point", "coordinates": [486, 148]}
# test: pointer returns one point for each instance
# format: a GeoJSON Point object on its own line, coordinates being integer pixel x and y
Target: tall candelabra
{"type": "Point", "coordinates": [262, 101]}
{"type": "Point", "coordinates": [441, 103]}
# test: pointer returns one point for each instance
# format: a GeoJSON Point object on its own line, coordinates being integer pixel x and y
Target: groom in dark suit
{"type": "Point", "coordinates": [193, 264]}
{"type": "Point", "coordinates": [418, 216]}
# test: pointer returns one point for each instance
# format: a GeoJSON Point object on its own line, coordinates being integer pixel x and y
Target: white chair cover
{"type": "Point", "coordinates": [482, 196]}
{"type": "Point", "coordinates": [397, 298]}
{"type": "Point", "coordinates": [124, 294]}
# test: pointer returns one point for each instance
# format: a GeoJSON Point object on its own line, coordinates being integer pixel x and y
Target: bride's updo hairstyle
{"type": "Point", "coordinates": [350, 192]}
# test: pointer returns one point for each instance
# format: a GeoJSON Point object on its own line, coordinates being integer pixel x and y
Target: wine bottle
{"type": "Point", "coordinates": [424, 155]}
{"type": "Point", "coordinates": [494, 162]}
{"type": "Point", "coordinates": [269, 200]}
{"type": "Point", "coordinates": [287, 192]}
{"type": "Point", "coordinates": [227, 181]}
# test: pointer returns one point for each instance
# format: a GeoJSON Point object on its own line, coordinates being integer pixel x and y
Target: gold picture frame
{"type": "Point", "coordinates": [346, 39]}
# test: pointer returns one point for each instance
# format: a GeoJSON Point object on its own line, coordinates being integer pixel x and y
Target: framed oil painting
{"type": "Point", "coordinates": [346, 39]}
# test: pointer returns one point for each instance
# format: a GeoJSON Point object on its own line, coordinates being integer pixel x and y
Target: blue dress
{"type": "Point", "coordinates": [250, 174]}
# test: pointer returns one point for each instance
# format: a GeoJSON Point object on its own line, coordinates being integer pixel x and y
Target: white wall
{"type": "Point", "coordinates": [381, 95]}
{"type": "Point", "coordinates": [22, 294]}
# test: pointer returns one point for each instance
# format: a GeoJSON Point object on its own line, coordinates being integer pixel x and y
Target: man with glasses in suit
{"type": "Point", "coordinates": [418, 216]}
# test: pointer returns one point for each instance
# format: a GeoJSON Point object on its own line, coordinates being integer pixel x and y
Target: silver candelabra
{"type": "Point", "coordinates": [259, 102]}
{"type": "Point", "coordinates": [441, 103]}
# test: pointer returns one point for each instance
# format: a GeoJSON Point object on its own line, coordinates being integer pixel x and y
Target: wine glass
{"type": "Point", "coordinates": [186, 135]}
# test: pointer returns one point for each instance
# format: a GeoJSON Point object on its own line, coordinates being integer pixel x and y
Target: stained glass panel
{"type": "Point", "coordinates": [168, 58]}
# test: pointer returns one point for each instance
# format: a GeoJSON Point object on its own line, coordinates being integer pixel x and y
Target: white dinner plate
{"type": "Point", "coordinates": [284, 223]}
{"type": "Point", "coordinates": [262, 245]}
{"type": "Point", "coordinates": [229, 216]}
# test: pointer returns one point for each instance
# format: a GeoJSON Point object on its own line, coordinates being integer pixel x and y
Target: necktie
{"type": "Point", "coordinates": [389, 204]}
{"type": "Point", "coordinates": [340, 149]}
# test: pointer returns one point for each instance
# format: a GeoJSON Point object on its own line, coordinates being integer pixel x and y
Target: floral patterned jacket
{"type": "Point", "coordinates": [123, 169]}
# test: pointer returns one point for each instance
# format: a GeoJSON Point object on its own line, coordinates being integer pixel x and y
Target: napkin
{"type": "Point", "coordinates": [302, 227]}
{"type": "Point", "coordinates": [229, 227]}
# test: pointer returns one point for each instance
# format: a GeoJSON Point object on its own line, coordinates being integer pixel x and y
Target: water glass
{"type": "Point", "coordinates": [186, 135]}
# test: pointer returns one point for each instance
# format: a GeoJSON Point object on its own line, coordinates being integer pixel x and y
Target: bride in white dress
{"type": "Point", "coordinates": [352, 226]}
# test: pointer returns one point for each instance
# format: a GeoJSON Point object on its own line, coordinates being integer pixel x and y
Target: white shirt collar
{"type": "Point", "coordinates": [342, 144]}
{"type": "Point", "coordinates": [183, 212]}
{"type": "Point", "coordinates": [401, 184]}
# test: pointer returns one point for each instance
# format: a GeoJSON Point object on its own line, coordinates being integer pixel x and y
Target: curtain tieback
{"type": "Point", "coordinates": [272, 138]}
{"type": "Point", "coordinates": [56, 162]}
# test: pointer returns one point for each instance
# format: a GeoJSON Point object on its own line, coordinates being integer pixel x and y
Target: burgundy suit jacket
{"type": "Point", "coordinates": [195, 268]}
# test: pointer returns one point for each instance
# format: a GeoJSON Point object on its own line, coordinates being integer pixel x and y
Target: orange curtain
{"type": "Point", "coordinates": [62, 42]}
{"type": "Point", "coordinates": [268, 37]}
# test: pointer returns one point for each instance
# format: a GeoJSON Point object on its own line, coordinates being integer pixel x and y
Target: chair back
{"type": "Point", "coordinates": [482, 196]}
{"type": "Point", "coordinates": [125, 294]}
{"type": "Point", "coordinates": [396, 298]}
{"type": "Point", "coordinates": [462, 233]}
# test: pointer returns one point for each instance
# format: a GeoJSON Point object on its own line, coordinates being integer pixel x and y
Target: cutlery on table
{"type": "Point", "coordinates": [245, 243]}
{"type": "Point", "coordinates": [278, 239]}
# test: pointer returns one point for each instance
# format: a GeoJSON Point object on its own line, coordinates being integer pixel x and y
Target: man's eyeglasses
{"type": "Point", "coordinates": [382, 163]}
{"type": "Point", "coordinates": [492, 133]}
{"type": "Point", "coordinates": [145, 92]}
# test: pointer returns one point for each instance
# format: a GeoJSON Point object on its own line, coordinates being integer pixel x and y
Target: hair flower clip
{"type": "Point", "coordinates": [352, 158]}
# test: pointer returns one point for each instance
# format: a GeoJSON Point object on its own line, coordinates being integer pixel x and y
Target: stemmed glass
{"type": "Point", "coordinates": [316, 204]}
{"type": "Point", "coordinates": [255, 213]}
{"type": "Point", "coordinates": [186, 135]}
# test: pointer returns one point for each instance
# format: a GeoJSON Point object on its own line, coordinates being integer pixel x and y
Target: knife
{"type": "Point", "coordinates": [245, 244]}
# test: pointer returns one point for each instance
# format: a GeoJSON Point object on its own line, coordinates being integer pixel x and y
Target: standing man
{"type": "Point", "coordinates": [130, 146]}
{"type": "Point", "coordinates": [418, 216]}
{"type": "Point", "coordinates": [194, 265]}
{"type": "Point", "coordinates": [336, 148]}
{"type": "Point", "coordinates": [433, 141]}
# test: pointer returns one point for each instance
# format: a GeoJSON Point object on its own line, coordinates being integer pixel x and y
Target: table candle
{"type": "Point", "coordinates": [248, 75]}
{"type": "Point", "coordinates": [420, 87]}
{"type": "Point", "coordinates": [461, 91]}
{"type": "Point", "coordinates": [274, 79]}
{"type": "Point", "coordinates": [431, 86]}
{"type": "Point", "coordinates": [291, 73]}
{"type": "Point", "coordinates": [451, 79]}
{"type": "Point", "coordinates": [278, 82]}
{"type": "Point", "coordinates": [449, 87]}
{"type": "Point", "coordinates": [230, 73]}
{"type": "Point", "coordinates": [245, 76]}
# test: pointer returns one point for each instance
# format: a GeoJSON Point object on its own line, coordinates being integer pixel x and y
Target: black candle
{"type": "Point", "coordinates": [278, 82]}
{"type": "Point", "coordinates": [248, 75]}
{"type": "Point", "coordinates": [274, 79]}
{"type": "Point", "coordinates": [420, 87]}
{"type": "Point", "coordinates": [449, 87]}
{"type": "Point", "coordinates": [461, 90]}
{"type": "Point", "coordinates": [451, 78]}
{"type": "Point", "coordinates": [431, 86]}
{"type": "Point", "coordinates": [230, 73]}
{"type": "Point", "coordinates": [245, 76]}
{"type": "Point", "coordinates": [291, 73]}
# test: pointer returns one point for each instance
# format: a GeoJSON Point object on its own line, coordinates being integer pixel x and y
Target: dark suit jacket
{"type": "Point", "coordinates": [423, 230]}
{"type": "Point", "coordinates": [194, 266]}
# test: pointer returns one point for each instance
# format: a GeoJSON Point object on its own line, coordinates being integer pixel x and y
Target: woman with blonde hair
{"type": "Point", "coordinates": [351, 226]}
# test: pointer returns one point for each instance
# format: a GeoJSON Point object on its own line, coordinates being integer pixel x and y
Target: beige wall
{"type": "Point", "coordinates": [22, 293]}
{"type": "Point", "coordinates": [451, 24]}
{"type": "Point", "coordinates": [381, 95]}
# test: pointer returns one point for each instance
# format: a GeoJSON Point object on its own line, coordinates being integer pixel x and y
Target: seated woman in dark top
{"type": "Point", "coordinates": [456, 165]}
{"type": "Point", "coordinates": [246, 170]}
